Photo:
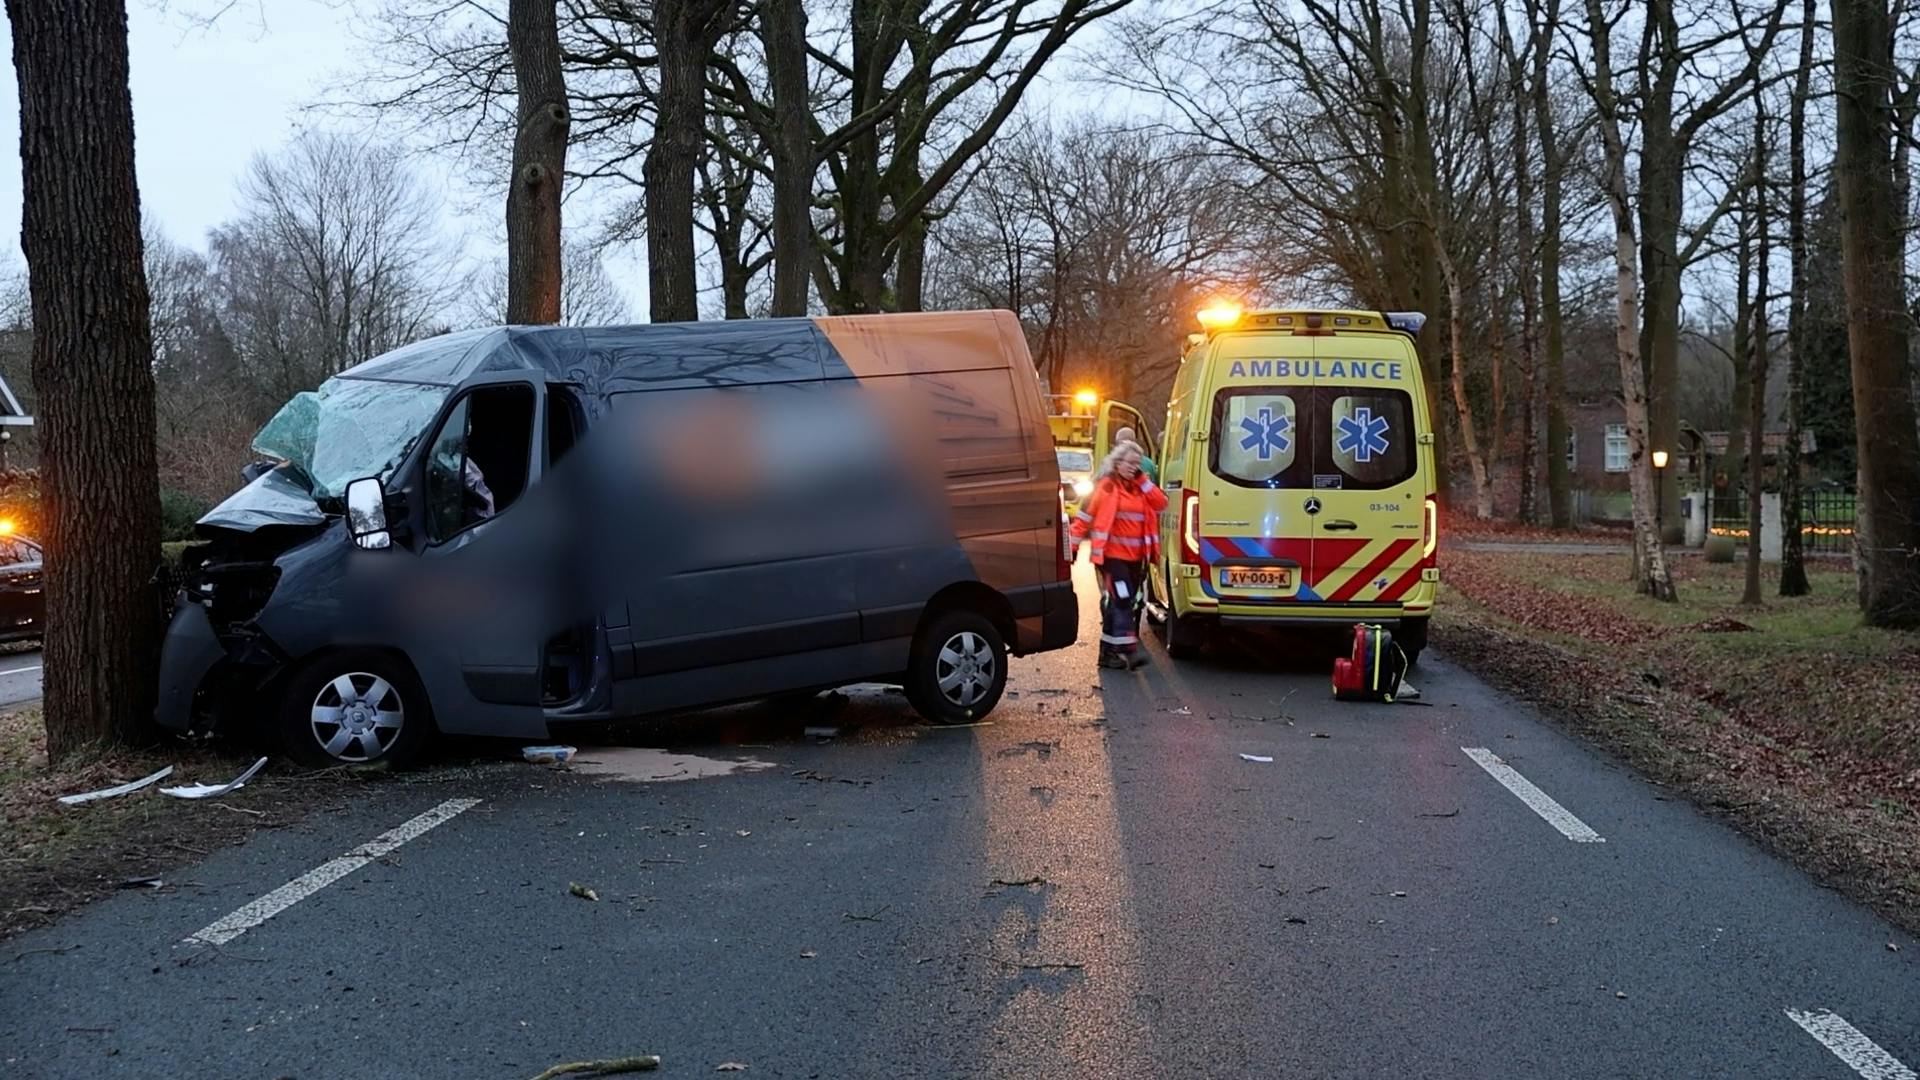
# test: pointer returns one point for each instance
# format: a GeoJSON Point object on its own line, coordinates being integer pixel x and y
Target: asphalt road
{"type": "Point", "coordinates": [19, 677]}
{"type": "Point", "coordinates": [1096, 884]}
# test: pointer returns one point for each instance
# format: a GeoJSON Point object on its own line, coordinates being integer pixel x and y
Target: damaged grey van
{"type": "Point", "coordinates": [501, 530]}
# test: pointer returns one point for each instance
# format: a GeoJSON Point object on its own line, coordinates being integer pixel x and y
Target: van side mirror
{"type": "Point", "coordinates": [367, 513]}
{"type": "Point", "coordinates": [254, 470]}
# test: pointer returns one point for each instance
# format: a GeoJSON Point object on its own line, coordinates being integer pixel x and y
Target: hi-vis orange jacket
{"type": "Point", "coordinates": [1122, 518]}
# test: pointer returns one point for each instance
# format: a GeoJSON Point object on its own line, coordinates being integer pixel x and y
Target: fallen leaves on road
{"type": "Point", "coordinates": [1001, 883]}
{"type": "Point", "coordinates": [1455, 812]}
{"type": "Point", "coordinates": [581, 891]}
{"type": "Point", "coordinates": [875, 917]}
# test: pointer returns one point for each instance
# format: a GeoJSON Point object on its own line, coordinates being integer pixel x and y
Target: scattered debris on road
{"type": "Point", "coordinates": [1181, 711]}
{"type": "Point", "coordinates": [822, 732]}
{"type": "Point", "coordinates": [1297, 920]}
{"type": "Point", "coordinates": [1320, 735]}
{"type": "Point", "coordinates": [209, 791]}
{"type": "Point", "coordinates": [808, 954]}
{"type": "Point", "coordinates": [114, 792]}
{"type": "Point", "coordinates": [1261, 758]}
{"type": "Point", "coordinates": [581, 891]}
{"type": "Point", "coordinates": [731, 1066]}
{"type": "Point", "coordinates": [548, 755]}
{"type": "Point", "coordinates": [603, 1067]}
{"type": "Point", "coordinates": [141, 883]}
{"type": "Point", "coordinates": [1455, 812]}
{"type": "Point", "coordinates": [875, 917]}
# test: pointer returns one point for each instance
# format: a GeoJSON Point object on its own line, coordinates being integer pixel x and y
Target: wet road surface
{"type": "Point", "coordinates": [1095, 883]}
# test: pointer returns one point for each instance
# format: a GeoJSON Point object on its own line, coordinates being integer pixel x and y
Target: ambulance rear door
{"type": "Point", "coordinates": [1368, 498]}
{"type": "Point", "coordinates": [1256, 538]}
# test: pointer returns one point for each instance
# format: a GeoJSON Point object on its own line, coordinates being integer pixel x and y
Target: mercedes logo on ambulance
{"type": "Point", "coordinates": [1313, 504]}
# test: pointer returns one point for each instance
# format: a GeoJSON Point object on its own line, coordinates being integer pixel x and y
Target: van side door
{"type": "Point", "coordinates": [475, 608]}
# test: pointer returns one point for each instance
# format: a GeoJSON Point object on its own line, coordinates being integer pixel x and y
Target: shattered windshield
{"type": "Point", "coordinates": [348, 429]}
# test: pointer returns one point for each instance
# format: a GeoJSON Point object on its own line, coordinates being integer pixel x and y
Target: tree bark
{"type": "Point", "coordinates": [92, 370]}
{"type": "Point", "coordinates": [1757, 382]}
{"type": "Point", "coordinates": [1651, 575]}
{"type": "Point", "coordinates": [1877, 321]}
{"type": "Point", "coordinates": [539, 163]}
{"type": "Point", "coordinates": [684, 32]}
{"type": "Point", "coordinates": [1463, 407]}
{"type": "Point", "coordinates": [783, 33]}
{"type": "Point", "coordinates": [1544, 16]}
{"type": "Point", "coordinates": [1793, 567]}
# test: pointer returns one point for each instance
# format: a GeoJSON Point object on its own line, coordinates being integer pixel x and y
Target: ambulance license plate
{"type": "Point", "coordinates": [1263, 577]}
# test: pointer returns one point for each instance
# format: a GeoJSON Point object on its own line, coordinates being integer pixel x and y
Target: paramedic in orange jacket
{"type": "Point", "coordinates": [1122, 519]}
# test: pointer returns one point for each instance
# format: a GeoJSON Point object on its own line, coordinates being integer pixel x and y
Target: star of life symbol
{"type": "Point", "coordinates": [1267, 433]}
{"type": "Point", "coordinates": [1363, 435]}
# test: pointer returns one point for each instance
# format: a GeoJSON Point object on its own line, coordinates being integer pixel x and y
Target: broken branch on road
{"type": "Point", "coordinates": [603, 1067]}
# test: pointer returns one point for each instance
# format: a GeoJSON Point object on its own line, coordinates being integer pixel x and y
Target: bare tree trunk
{"type": "Point", "coordinates": [684, 32]}
{"type": "Point", "coordinates": [1456, 350]}
{"type": "Point", "coordinates": [783, 31]}
{"type": "Point", "coordinates": [1544, 16]}
{"type": "Point", "coordinates": [1877, 321]}
{"type": "Point", "coordinates": [92, 370]}
{"type": "Point", "coordinates": [1757, 383]}
{"type": "Point", "coordinates": [1734, 463]}
{"type": "Point", "coordinates": [1651, 575]}
{"type": "Point", "coordinates": [1793, 567]}
{"type": "Point", "coordinates": [539, 163]}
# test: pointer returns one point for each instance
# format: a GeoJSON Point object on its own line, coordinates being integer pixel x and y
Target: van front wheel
{"type": "Point", "coordinates": [354, 707]}
{"type": "Point", "coordinates": [958, 669]}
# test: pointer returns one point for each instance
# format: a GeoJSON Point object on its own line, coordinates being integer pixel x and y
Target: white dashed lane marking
{"type": "Point", "coordinates": [1541, 803]}
{"type": "Point", "coordinates": [284, 897]}
{"type": "Point", "coordinates": [1861, 1054]}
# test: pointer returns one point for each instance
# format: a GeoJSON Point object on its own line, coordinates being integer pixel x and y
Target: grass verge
{"type": "Point", "coordinates": [54, 858]}
{"type": "Point", "coordinates": [1792, 721]}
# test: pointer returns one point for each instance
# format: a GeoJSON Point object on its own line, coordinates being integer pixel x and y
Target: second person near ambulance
{"type": "Point", "coordinates": [1125, 435]}
{"type": "Point", "coordinates": [1121, 521]}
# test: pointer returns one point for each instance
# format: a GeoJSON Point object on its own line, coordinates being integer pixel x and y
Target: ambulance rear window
{"type": "Point", "coordinates": [1370, 437]}
{"type": "Point", "coordinates": [1328, 437]}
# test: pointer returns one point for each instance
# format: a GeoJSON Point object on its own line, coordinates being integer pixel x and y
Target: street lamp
{"type": "Point", "coordinates": [1659, 488]}
{"type": "Point", "coordinates": [6, 437]}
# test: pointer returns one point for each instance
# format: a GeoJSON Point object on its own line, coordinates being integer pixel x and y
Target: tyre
{"type": "Point", "coordinates": [1412, 638]}
{"type": "Point", "coordinates": [958, 669]}
{"type": "Point", "coordinates": [1181, 636]}
{"type": "Point", "coordinates": [354, 707]}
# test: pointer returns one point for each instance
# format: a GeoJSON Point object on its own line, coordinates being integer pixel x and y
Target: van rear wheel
{"type": "Point", "coordinates": [958, 669]}
{"type": "Point", "coordinates": [354, 707]}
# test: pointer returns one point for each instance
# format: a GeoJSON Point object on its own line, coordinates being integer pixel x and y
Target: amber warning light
{"type": "Point", "coordinates": [1219, 315]}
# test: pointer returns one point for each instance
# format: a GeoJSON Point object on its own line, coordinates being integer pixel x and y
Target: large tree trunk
{"type": "Point", "coordinates": [783, 32]}
{"type": "Point", "coordinates": [1757, 382]}
{"type": "Point", "coordinates": [1877, 321]}
{"type": "Point", "coordinates": [684, 32]}
{"type": "Point", "coordinates": [539, 163]}
{"type": "Point", "coordinates": [1793, 567]}
{"type": "Point", "coordinates": [92, 370]}
{"type": "Point", "coordinates": [1660, 200]}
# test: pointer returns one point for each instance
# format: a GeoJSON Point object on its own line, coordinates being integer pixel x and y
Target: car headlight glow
{"type": "Point", "coordinates": [1083, 487]}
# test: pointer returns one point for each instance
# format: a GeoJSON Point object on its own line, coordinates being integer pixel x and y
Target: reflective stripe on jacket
{"type": "Point", "coordinates": [1122, 519]}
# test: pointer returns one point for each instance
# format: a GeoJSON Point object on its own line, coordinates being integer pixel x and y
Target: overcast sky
{"type": "Point", "coordinates": [204, 101]}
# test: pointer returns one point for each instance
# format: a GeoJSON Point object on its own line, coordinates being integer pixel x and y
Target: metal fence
{"type": "Point", "coordinates": [1827, 520]}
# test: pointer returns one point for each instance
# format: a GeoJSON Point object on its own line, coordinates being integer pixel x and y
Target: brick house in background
{"type": "Point", "coordinates": [1597, 450]}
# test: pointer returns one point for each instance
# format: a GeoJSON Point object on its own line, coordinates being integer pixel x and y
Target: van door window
{"type": "Point", "coordinates": [1256, 437]}
{"type": "Point", "coordinates": [1371, 437]}
{"type": "Point", "coordinates": [478, 464]}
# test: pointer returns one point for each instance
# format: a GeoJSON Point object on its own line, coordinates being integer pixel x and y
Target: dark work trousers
{"type": "Point", "coordinates": [1119, 610]}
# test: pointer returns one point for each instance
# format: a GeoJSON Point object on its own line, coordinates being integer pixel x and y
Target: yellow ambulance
{"type": "Point", "coordinates": [1298, 458]}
